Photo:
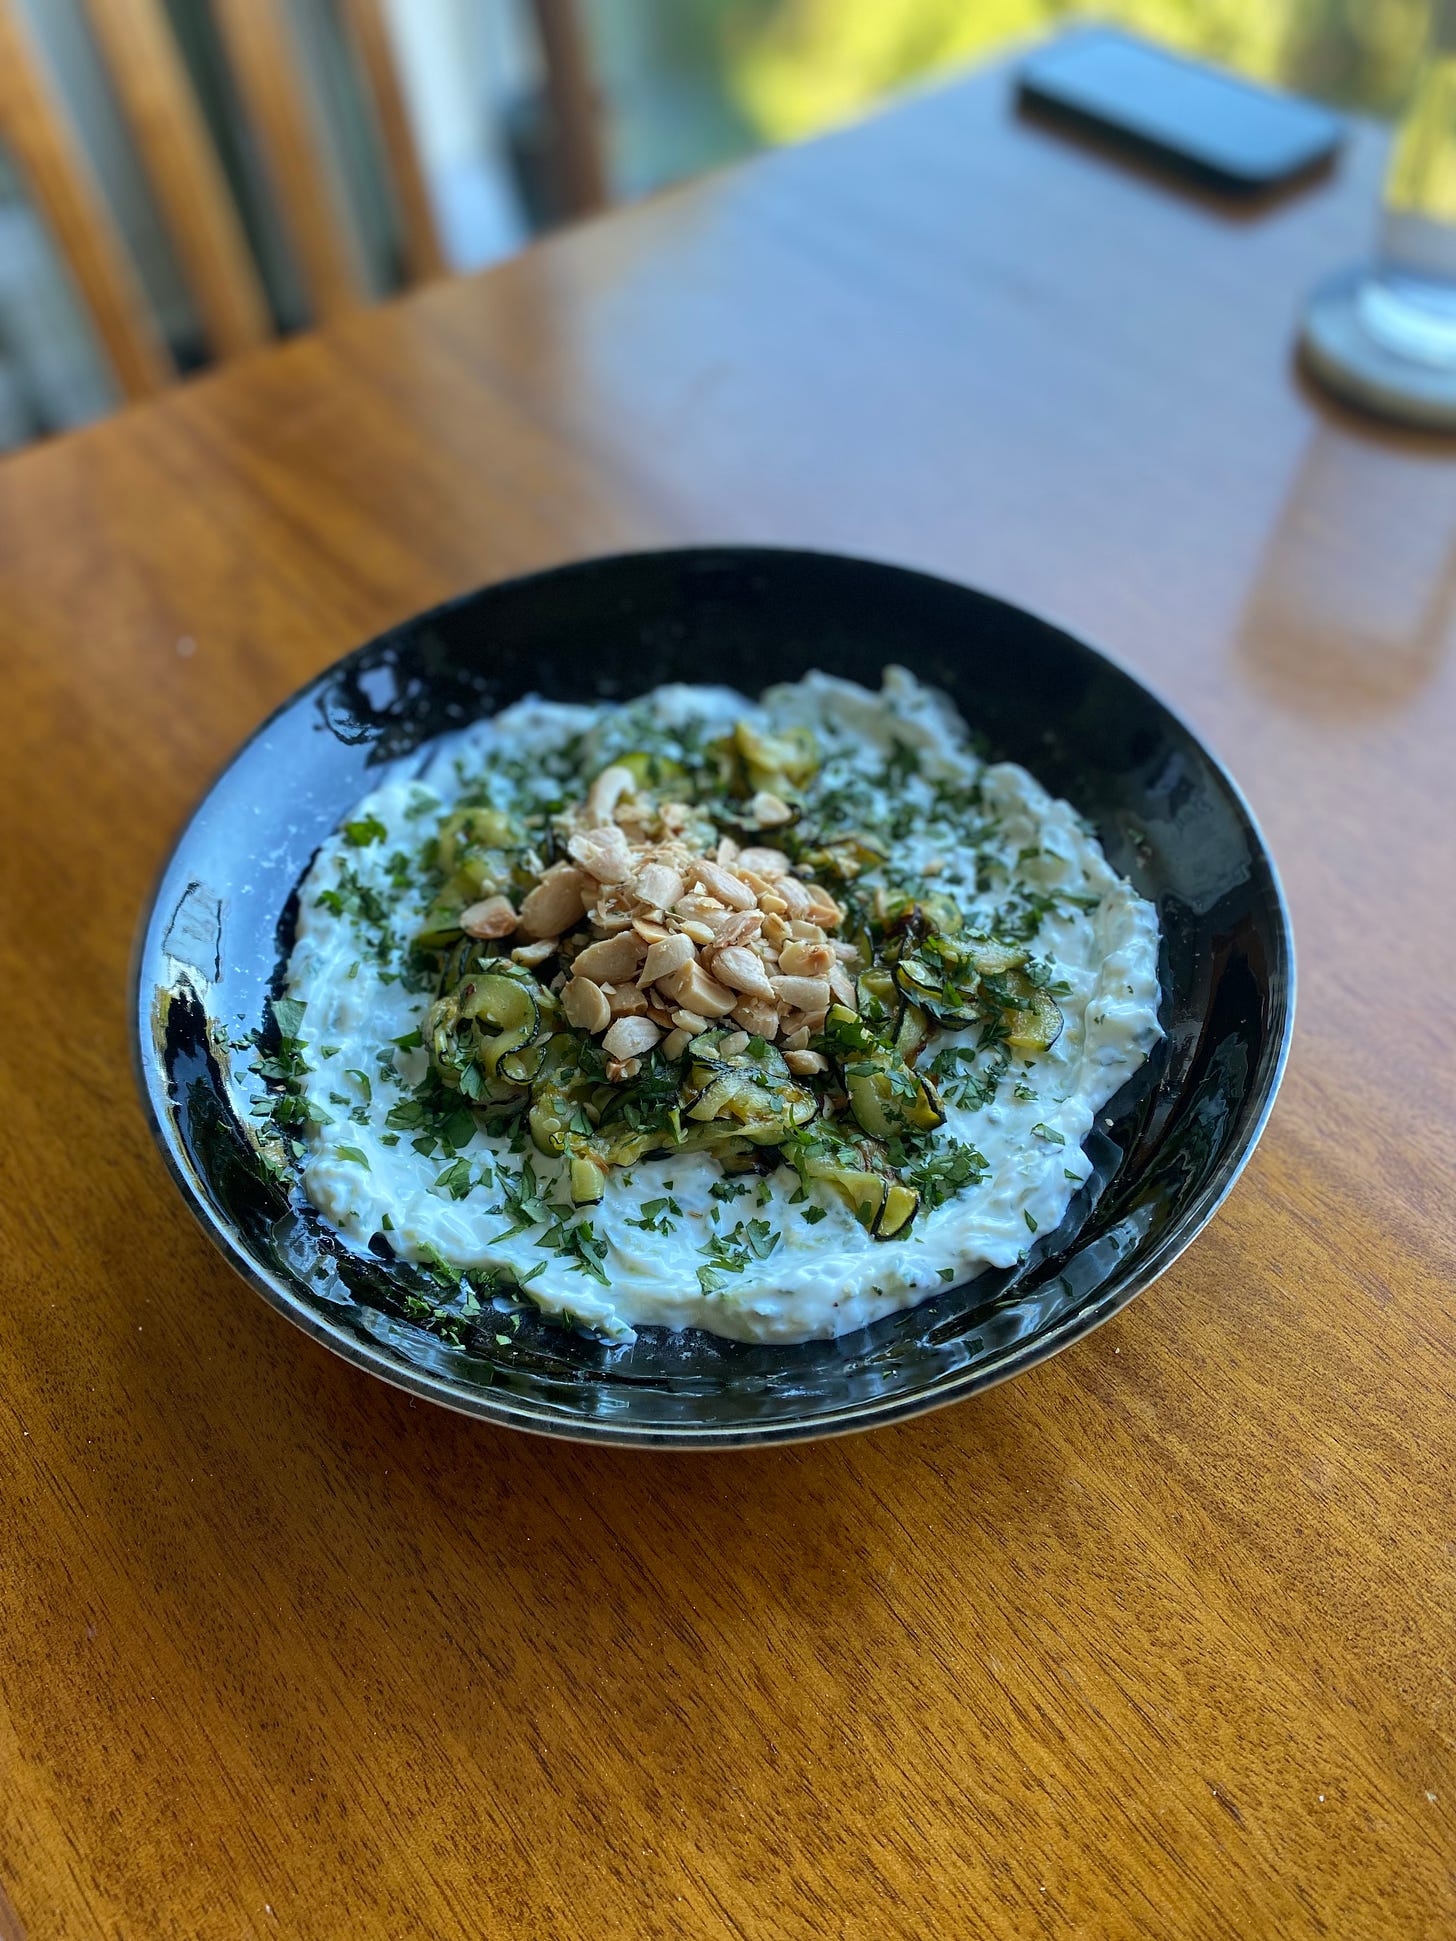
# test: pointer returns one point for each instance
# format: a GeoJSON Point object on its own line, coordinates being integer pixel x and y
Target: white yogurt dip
{"type": "Point", "coordinates": [674, 1241]}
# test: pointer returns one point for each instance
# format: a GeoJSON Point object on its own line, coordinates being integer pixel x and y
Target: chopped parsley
{"type": "Point", "coordinates": [366, 830]}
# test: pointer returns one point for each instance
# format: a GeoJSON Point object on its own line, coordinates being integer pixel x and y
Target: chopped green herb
{"type": "Point", "coordinates": [288, 1015]}
{"type": "Point", "coordinates": [455, 1180]}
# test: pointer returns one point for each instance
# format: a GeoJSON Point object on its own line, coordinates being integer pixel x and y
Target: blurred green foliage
{"type": "Point", "coordinates": [787, 68]}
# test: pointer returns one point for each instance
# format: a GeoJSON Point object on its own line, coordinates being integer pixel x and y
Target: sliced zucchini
{"type": "Point", "coordinates": [993, 958]}
{"type": "Point", "coordinates": [755, 1104]}
{"type": "Point", "coordinates": [588, 1178]}
{"type": "Point", "coordinates": [879, 996]}
{"type": "Point", "coordinates": [474, 829]}
{"type": "Point", "coordinates": [844, 858]}
{"type": "Point", "coordinates": [902, 1203]}
{"type": "Point", "coordinates": [883, 1205]}
{"type": "Point", "coordinates": [928, 986]}
{"type": "Point", "coordinates": [912, 1033]}
{"type": "Point", "coordinates": [558, 1094]}
{"type": "Point", "coordinates": [775, 762]}
{"type": "Point", "coordinates": [623, 1147]}
{"type": "Point", "coordinates": [650, 770]}
{"type": "Point", "coordinates": [512, 1006]}
{"type": "Point", "coordinates": [888, 1099]}
{"type": "Point", "coordinates": [495, 1020]}
{"type": "Point", "coordinates": [845, 1032]}
{"type": "Point", "coordinates": [1034, 1025]}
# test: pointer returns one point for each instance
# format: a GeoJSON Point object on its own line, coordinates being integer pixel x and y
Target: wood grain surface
{"type": "Point", "coordinates": [1156, 1641]}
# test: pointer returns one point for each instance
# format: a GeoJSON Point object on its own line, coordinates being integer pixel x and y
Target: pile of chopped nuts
{"type": "Point", "coordinates": [659, 940]}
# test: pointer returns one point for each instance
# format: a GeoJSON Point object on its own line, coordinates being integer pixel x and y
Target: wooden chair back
{"type": "Point", "coordinates": [137, 45]}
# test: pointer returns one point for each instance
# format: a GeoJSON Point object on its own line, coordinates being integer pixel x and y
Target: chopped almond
{"type": "Point", "coordinates": [742, 970]}
{"type": "Point", "coordinates": [699, 932]}
{"type": "Point", "coordinates": [667, 955]}
{"type": "Point", "coordinates": [602, 853]}
{"type": "Point", "coordinates": [769, 810]}
{"type": "Point", "coordinates": [737, 929]}
{"type": "Point", "coordinates": [556, 903]}
{"type": "Point", "coordinates": [735, 1042]}
{"type": "Point", "coordinates": [611, 959]}
{"type": "Point", "coordinates": [810, 994]}
{"type": "Point", "coordinates": [690, 1022]}
{"type": "Point", "coordinates": [797, 900]}
{"type": "Point", "coordinates": [843, 988]}
{"type": "Point", "coordinates": [658, 884]}
{"type": "Point", "coordinates": [724, 885]}
{"type": "Point", "coordinates": [694, 990]}
{"type": "Point", "coordinates": [796, 1040]}
{"type": "Point", "coordinates": [532, 955]}
{"type": "Point", "coordinates": [758, 1015]}
{"type": "Point", "coordinates": [586, 1006]}
{"type": "Point", "coordinates": [695, 908]}
{"type": "Point", "coordinates": [799, 959]}
{"type": "Point", "coordinates": [494, 917]}
{"type": "Point", "coordinates": [607, 791]}
{"type": "Point", "coordinates": [805, 1063]}
{"type": "Point", "coordinates": [649, 931]}
{"type": "Point", "coordinates": [764, 862]}
{"type": "Point", "coordinates": [630, 1037]}
{"type": "Point", "coordinates": [676, 1043]}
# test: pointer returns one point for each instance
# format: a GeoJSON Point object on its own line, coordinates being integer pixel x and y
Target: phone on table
{"type": "Point", "coordinates": [1224, 132]}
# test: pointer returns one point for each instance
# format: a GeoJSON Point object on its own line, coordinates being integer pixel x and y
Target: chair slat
{"type": "Point", "coordinates": [155, 89]}
{"type": "Point", "coordinates": [265, 64]}
{"type": "Point", "coordinates": [422, 252]}
{"type": "Point", "coordinates": [59, 178]}
{"type": "Point", "coordinates": [574, 107]}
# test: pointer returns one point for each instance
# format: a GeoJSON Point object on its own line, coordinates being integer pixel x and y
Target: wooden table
{"type": "Point", "coordinates": [1156, 1641]}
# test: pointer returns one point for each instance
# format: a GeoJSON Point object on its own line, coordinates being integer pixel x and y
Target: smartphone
{"type": "Point", "coordinates": [1224, 132]}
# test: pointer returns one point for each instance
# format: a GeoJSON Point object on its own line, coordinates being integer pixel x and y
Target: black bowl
{"type": "Point", "coordinates": [1166, 1150]}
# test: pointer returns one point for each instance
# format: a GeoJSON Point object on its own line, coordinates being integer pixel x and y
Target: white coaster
{"type": "Point", "coordinates": [1339, 350]}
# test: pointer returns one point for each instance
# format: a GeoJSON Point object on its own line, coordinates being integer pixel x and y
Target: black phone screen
{"type": "Point", "coordinates": [1223, 129]}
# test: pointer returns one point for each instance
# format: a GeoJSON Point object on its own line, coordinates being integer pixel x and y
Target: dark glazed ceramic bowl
{"type": "Point", "coordinates": [1166, 1150]}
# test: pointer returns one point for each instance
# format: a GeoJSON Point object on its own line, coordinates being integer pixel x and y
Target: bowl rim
{"type": "Point", "coordinates": [501, 1407]}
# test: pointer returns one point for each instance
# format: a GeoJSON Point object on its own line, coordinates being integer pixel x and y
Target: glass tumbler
{"type": "Point", "coordinates": [1384, 334]}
